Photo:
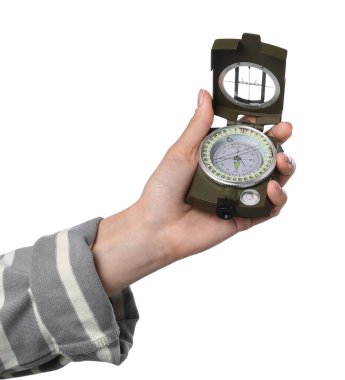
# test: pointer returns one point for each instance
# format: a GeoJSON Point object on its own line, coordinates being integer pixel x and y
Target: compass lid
{"type": "Point", "coordinates": [248, 79]}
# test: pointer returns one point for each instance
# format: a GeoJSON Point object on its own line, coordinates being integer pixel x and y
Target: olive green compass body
{"type": "Point", "coordinates": [237, 162]}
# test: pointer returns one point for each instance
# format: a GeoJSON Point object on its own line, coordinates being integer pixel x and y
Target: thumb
{"type": "Point", "coordinates": [199, 124]}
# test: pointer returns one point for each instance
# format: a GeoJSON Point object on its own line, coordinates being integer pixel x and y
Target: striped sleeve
{"type": "Point", "coordinates": [54, 310]}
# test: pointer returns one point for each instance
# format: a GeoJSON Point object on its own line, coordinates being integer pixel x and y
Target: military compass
{"type": "Point", "coordinates": [236, 162]}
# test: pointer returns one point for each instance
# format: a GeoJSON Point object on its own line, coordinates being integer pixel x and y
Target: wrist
{"type": "Point", "coordinates": [127, 247]}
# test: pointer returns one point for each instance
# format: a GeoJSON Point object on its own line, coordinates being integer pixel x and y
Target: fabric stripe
{"type": "Point", "coordinates": [74, 291]}
{"type": "Point", "coordinates": [53, 347]}
{"type": "Point", "coordinates": [83, 267]}
{"type": "Point", "coordinates": [5, 262]}
{"type": "Point", "coordinates": [35, 371]}
{"type": "Point", "coordinates": [2, 369]}
{"type": "Point", "coordinates": [17, 315]}
{"type": "Point", "coordinates": [8, 357]}
{"type": "Point", "coordinates": [104, 355]}
{"type": "Point", "coordinates": [52, 300]}
{"type": "Point", "coordinates": [14, 372]}
{"type": "Point", "coordinates": [6, 376]}
{"type": "Point", "coordinates": [64, 360]}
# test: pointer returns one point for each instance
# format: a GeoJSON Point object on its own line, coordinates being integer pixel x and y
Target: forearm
{"type": "Point", "coordinates": [126, 249]}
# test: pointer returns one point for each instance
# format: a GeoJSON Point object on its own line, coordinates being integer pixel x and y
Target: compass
{"type": "Point", "coordinates": [236, 162]}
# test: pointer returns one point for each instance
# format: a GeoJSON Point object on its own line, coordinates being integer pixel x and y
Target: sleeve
{"type": "Point", "coordinates": [54, 310]}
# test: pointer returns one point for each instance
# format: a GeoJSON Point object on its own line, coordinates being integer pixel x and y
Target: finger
{"type": "Point", "coordinates": [286, 167]}
{"type": "Point", "coordinates": [281, 131]}
{"type": "Point", "coordinates": [247, 119]}
{"type": "Point", "coordinates": [198, 126]}
{"type": "Point", "coordinates": [277, 196]}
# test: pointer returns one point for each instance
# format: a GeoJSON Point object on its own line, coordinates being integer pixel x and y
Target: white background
{"type": "Point", "coordinates": [92, 93]}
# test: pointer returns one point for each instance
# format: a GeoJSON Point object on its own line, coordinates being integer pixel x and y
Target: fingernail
{"type": "Point", "coordinates": [275, 212]}
{"type": "Point", "coordinates": [288, 160]}
{"type": "Point", "coordinates": [200, 97]}
{"type": "Point", "coordinates": [278, 187]}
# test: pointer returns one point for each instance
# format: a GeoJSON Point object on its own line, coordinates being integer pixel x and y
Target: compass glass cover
{"type": "Point", "coordinates": [239, 156]}
{"type": "Point", "coordinates": [249, 85]}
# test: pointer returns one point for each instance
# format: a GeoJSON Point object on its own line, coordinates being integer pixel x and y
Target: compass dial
{"type": "Point", "coordinates": [238, 156]}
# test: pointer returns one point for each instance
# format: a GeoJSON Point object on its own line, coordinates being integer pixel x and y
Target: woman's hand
{"type": "Point", "coordinates": [160, 227]}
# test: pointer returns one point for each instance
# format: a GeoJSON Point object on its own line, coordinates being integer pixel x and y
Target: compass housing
{"type": "Point", "coordinates": [232, 177]}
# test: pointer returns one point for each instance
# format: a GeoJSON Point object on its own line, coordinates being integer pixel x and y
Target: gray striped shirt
{"type": "Point", "coordinates": [54, 310]}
